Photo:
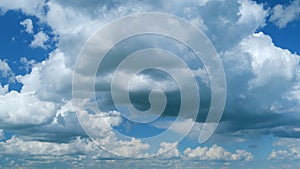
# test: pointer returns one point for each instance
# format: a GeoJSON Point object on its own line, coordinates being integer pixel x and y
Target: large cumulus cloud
{"type": "Point", "coordinates": [261, 82]}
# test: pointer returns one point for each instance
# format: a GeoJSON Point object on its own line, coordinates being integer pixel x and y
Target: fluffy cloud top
{"type": "Point", "coordinates": [168, 150]}
{"type": "Point", "coordinates": [17, 146]}
{"type": "Point", "coordinates": [260, 82]}
{"type": "Point", "coordinates": [24, 109]}
{"type": "Point", "coordinates": [216, 153]}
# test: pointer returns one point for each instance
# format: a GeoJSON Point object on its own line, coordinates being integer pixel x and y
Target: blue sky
{"type": "Point", "coordinates": [41, 126]}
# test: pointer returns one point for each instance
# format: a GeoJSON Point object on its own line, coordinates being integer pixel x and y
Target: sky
{"type": "Point", "coordinates": [145, 103]}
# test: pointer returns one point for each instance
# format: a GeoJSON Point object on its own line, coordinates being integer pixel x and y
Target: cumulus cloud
{"type": "Point", "coordinates": [19, 109]}
{"type": "Point", "coordinates": [285, 154]}
{"type": "Point", "coordinates": [51, 79]}
{"type": "Point", "coordinates": [246, 15]}
{"type": "Point", "coordinates": [16, 145]}
{"type": "Point", "coordinates": [5, 69]}
{"type": "Point", "coordinates": [63, 128]}
{"type": "Point", "coordinates": [282, 15]}
{"type": "Point", "coordinates": [27, 23]}
{"type": "Point", "coordinates": [77, 153]}
{"type": "Point", "coordinates": [88, 149]}
{"type": "Point", "coordinates": [282, 62]}
{"type": "Point", "coordinates": [216, 153]}
{"type": "Point", "coordinates": [6, 72]}
{"type": "Point", "coordinates": [251, 12]}
{"type": "Point", "coordinates": [39, 40]}
{"type": "Point", "coordinates": [168, 150]}
{"type": "Point", "coordinates": [260, 81]}
{"type": "Point", "coordinates": [285, 149]}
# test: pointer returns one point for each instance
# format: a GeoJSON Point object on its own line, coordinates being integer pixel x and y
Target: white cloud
{"type": "Point", "coordinates": [282, 15]}
{"type": "Point", "coordinates": [286, 149]}
{"type": "Point", "coordinates": [51, 79]}
{"type": "Point", "coordinates": [24, 109]}
{"type": "Point", "coordinates": [6, 72]}
{"type": "Point", "coordinates": [168, 150]}
{"type": "Point", "coordinates": [85, 147]}
{"type": "Point", "coordinates": [282, 62]}
{"type": "Point", "coordinates": [3, 89]}
{"type": "Point", "coordinates": [264, 66]}
{"type": "Point", "coordinates": [4, 68]}
{"type": "Point", "coordinates": [216, 152]}
{"type": "Point", "coordinates": [251, 12]}
{"type": "Point", "coordinates": [283, 155]}
{"type": "Point", "coordinates": [18, 146]}
{"type": "Point", "coordinates": [132, 148]}
{"type": "Point", "coordinates": [39, 40]}
{"type": "Point", "coordinates": [99, 125]}
{"type": "Point", "coordinates": [27, 23]}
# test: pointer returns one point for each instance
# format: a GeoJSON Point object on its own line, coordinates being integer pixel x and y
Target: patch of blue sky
{"type": "Point", "coordinates": [15, 44]}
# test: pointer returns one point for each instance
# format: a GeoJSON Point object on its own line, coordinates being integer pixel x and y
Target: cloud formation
{"type": "Point", "coordinates": [6, 72]}
{"type": "Point", "coordinates": [263, 80]}
{"type": "Point", "coordinates": [261, 85]}
{"type": "Point", "coordinates": [285, 149]}
{"type": "Point", "coordinates": [216, 152]}
{"type": "Point", "coordinates": [27, 23]}
{"type": "Point", "coordinates": [85, 147]}
{"type": "Point", "coordinates": [282, 15]}
{"type": "Point", "coordinates": [39, 40]}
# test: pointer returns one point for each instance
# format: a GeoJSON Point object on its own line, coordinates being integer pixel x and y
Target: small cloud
{"type": "Point", "coordinates": [39, 40]}
{"type": "Point", "coordinates": [282, 15]}
{"type": "Point", "coordinates": [27, 64]}
{"type": "Point", "coordinates": [27, 23]}
{"type": "Point", "coordinates": [6, 72]}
